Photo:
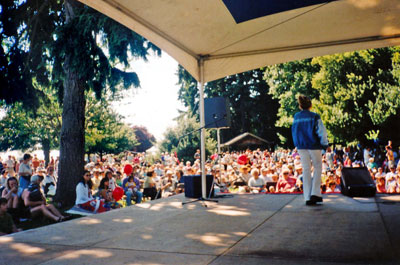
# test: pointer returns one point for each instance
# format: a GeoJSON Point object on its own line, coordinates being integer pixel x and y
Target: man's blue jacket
{"type": "Point", "coordinates": [308, 131]}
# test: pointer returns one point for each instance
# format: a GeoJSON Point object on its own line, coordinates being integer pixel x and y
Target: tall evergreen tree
{"type": "Point", "coordinates": [72, 48]}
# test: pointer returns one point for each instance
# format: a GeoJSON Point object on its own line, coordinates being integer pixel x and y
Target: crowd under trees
{"type": "Point", "coordinates": [61, 63]}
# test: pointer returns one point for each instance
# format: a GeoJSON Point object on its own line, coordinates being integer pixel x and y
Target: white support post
{"type": "Point", "coordinates": [219, 140]}
{"type": "Point", "coordinates": [202, 131]}
{"type": "Point", "coordinates": [219, 152]}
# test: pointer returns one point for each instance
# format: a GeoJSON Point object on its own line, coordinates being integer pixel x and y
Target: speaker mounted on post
{"type": "Point", "coordinates": [216, 113]}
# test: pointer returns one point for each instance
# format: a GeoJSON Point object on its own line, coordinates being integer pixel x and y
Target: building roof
{"type": "Point", "coordinates": [241, 140]}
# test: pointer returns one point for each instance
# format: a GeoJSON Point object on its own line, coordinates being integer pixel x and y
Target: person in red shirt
{"type": "Point", "coordinates": [35, 162]}
{"type": "Point", "coordinates": [380, 185]}
{"type": "Point", "coordinates": [286, 182]}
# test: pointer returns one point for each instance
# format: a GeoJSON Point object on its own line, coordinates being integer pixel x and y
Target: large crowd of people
{"type": "Point", "coordinates": [112, 181]}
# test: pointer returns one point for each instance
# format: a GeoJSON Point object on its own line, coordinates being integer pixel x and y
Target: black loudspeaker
{"type": "Point", "coordinates": [357, 182]}
{"type": "Point", "coordinates": [216, 113]}
{"type": "Point", "coordinates": [193, 186]}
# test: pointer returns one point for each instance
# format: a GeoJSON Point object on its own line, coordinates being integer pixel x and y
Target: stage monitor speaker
{"type": "Point", "coordinates": [216, 113]}
{"type": "Point", "coordinates": [193, 186]}
{"type": "Point", "coordinates": [357, 182]}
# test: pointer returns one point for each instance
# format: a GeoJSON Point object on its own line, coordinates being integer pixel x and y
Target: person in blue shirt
{"type": "Point", "coordinates": [310, 138]}
{"type": "Point", "coordinates": [131, 186]}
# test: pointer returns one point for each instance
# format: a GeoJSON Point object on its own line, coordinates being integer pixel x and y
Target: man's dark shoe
{"type": "Point", "coordinates": [310, 203]}
{"type": "Point", "coordinates": [316, 198]}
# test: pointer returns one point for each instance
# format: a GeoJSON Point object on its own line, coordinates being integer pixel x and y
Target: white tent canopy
{"type": "Point", "coordinates": [192, 29]}
{"type": "Point", "coordinates": [215, 38]}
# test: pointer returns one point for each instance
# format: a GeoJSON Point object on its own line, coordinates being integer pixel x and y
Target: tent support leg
{"type": "Point", "coordinates": [202, 141]}
{"type": "Point", "coordinates": [203, 136]}
{"type": "Point", "coordinates": [203, 130]}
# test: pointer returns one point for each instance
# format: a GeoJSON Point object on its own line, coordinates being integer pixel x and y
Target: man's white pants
{"type": "Point", "coordinates": [311, 186]}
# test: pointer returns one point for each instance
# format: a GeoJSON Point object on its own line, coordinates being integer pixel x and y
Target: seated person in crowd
{"type": "Point", "coordinates": [49, 183]}
{"type": "Point", "coordinates": [111, 180]}
{"type": "Point", "coordinates": [286, 183]}
{"type": "Point", "coordinates": [331, 187]}
{"type": "Point", "coordinates": [256, 184]}
{"type": "Point", "coordinates": [3, 177]}
{"type": "Point", "coordinates": [35, 201]}
{"type": "Point", "coordinates": [271, 189]}
{"type": "Point", "coordinates": [243, 179]}
{"type": "Point", "coordinates": [7, 225]}
{"type": "Point", "coordinates": [118, 178]}
{"type": "Point", "coordinates": [380, 173]}
{"type": "Point", "coordinates": [265, 174]}
{"type": "Point", "coordinates": [168, 184]}
{"type": "Point", "coordinates": [231, 175]}
{"type": "Point", "coordinates": [131, 186]}
{"type": "Point", "coordinates": [371, 163]}
{"type": "Point", "coordinates": [245, 174]}
{"type": "Point", "coordinates": [180, 187]}
{"type": "Point", "coordinates": [392, 186]}
{"type": "Point", "coordinates": [96, 179]}
{"type": "Point", "coordinates": [84, 198]}
{"type": "Point", "coordinates": [380, 185]}
{"type": "Point", "coordinates": [12, 194]}
{"type": "Point", "coordinates": [391, 179]}
{"type": "Point", "coordinates": [105, 193]}
{"type": "Point", "coordinates": [149, 186]}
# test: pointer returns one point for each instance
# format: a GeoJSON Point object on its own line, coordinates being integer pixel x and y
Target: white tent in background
{"type": "Point", "coordinates": [216, 38]}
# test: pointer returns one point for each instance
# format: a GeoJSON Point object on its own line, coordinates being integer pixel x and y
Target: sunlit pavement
{"type": "Point", "coordinates": [243, 229]}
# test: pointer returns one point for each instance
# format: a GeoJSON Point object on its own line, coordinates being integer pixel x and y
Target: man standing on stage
{"type": "Point", "coordinates": [310, 137]}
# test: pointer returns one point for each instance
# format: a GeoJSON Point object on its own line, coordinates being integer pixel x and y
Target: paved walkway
{"type": "Point", "coordinates": [243, 229]}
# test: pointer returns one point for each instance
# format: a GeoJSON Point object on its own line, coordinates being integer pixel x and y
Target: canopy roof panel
{"type": "Point", "coordinates": [207, 30]}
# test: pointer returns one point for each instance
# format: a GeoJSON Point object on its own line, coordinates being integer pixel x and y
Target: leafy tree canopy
{"type": "Point", "coordinates": [105, 132]}
{"type": "Point", "coordinates": [184, 139]}
{"type": "Point", "coordinates": [252, 109]}
{"type": "Point", "coordinates": [23, 128]}
{"type": "Point", "coordinates": [356, 92]}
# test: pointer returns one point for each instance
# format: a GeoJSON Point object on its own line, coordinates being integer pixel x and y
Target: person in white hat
{"type": "Point", "coordinates": [168, 184]}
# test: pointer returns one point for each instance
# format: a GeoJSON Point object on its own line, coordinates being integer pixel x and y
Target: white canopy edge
{"type": "Point", "coordinates": [183, 55]}
{"type": "Point", "coordinates": [218, 66]}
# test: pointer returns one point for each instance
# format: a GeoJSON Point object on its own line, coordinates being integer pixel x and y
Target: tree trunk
{"type": "Point", "coordinates": [72, 138]}
{"type": "Point", "coordinates": [46, 150]}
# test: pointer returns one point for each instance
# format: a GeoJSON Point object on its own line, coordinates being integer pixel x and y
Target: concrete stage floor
{"type": "Point", "coordinates": [243, 229]}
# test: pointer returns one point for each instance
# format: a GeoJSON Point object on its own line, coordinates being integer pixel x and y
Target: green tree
{"type": "Point", "coordinates": [23, 128]}
{"type": "Point", "coordinates": [188, 91]}
{"type": "Point", "coordinates": [355, 93]}
{"type": "Point", "coordinates": [184, 139]}
{"type": "Point", "coordinates": [73, 49]}
{"type": "Point", "coordinates": [285, 82]}
{"type": "Point", "coordinates": [105, 133]}
{"type": "Point", "coordinates": [358, 92]}
{"type": "Point", "coordinates": [252, 109]}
